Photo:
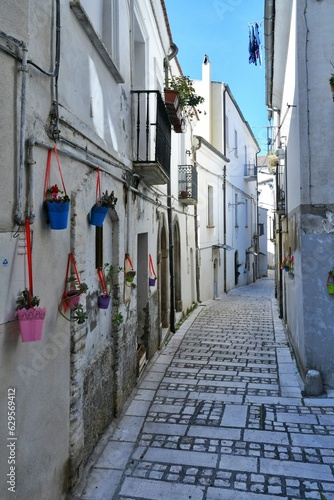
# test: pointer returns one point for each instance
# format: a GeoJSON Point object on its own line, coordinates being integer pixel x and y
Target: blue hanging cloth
{"type": "Point", "coordinates": [254, 45]}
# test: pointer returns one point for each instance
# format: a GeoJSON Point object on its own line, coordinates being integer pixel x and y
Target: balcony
{"type": "Point", "coordinates": [152, 137]}
{"type": "Point", "coordinates": [188, 185]}
{"type": "Point", "coordinates": [250, 172]}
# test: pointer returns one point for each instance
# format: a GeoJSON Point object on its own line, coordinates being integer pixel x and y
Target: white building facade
{"type": "Point", "coordinates": [299, 48]}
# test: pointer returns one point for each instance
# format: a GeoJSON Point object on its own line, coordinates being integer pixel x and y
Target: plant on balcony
{"type": "Point", "coordinates": [186, 92]}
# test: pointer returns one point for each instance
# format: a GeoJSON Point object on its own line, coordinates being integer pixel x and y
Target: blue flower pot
{"type": "Point", "coordinates": [98, 214]}
{"type": "Point", "coordinates": [58, 214]}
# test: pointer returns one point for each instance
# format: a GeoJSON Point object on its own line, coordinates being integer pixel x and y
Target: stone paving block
{"type": "Point", "coordinates": [115, 455]}
{"type": "Point", "coordinates": [138, 408]}
{"type": "Point", "coordinates": [144, 394]}
{"type": "Point", "coordinates": [297, 418]}
{"type": "Point", "coordinates": [238, 463]}
{"type": "Point", "coordinates": [312, 440]}
{"type": "Point", "coordinates": [234, 416]}
{"type": "Point", "coordinates": [180, 457]}
{"type": "Point", "coordinates": [168, 429]}
{"type": "Point", "coordinates": [157, 490]}
{"type": "Point", "coordinates": [102, 484]}
{"type": "Point", "coordinates": [128, 428]}
{"type": "Point", "coordinates": [214, 433]}
{"type": "Point", "coordinates": [296, 469]}
{"type": "Point", "coordinates": [269, 437]}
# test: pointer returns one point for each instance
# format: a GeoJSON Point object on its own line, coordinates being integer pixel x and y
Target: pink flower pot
{"type": "Point", "coordinates": [72, 298]}
{"type": "Point", "coordinates": [31, 323]}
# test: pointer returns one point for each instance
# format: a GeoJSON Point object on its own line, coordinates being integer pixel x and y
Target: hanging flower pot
{"type": "Point", "coordinates": [104, 201]}
{"type": "Point", "coordinates": [153, 277]}
{"type": "Point", "coordinates": [31, 317]}
{"type": "Point", "coordinates": [103, 301]}
{"type": "Point", "coordinates": [72, 298]}
{"type": "Point", "coordinates": [330, 282]}
{"type": "Point", "coordinates": [98, 214]}
{"type": "Point", "coordinates": [56, 200]}
{"type": "Point", "coordinates": [129, 276]}
{"type": "Point", "coordinates": [58, 214]}
{"type": "Point", "coordinates": [31, 323]}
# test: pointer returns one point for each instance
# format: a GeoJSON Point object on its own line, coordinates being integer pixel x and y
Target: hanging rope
{"type": "Point", "coordinates": [70, 260]}
{"type": "Point", "coordinates": [151, 267]}
{"type": "Point", "coordinates": [102, 280]}
{"type": "Point", "coordinates": [48, 169]}
{"type": "Point", "coordinates": [29, 260]}
{"type": "Point", "coordinates": [98, 187]}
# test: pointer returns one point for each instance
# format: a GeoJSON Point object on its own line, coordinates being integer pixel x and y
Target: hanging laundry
{"type": "Point", "coordinates": [254, 44]}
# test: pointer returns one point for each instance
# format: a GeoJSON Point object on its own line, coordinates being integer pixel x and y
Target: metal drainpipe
{"type": "Point", "coordinates": [224, 189]}
{"type": "Point", "coordinates": [19, 216]}
{"type": "Point", "coordinates": [31, 162]}
{"type": "Point", "coordinates": [169, 57]}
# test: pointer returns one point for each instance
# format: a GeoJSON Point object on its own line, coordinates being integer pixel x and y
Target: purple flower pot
{"type": "Point", "coordinates": [103, 301]}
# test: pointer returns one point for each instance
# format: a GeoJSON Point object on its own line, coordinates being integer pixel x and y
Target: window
{"type": "Point", "coordinates": [227, 135]}
{"type": "Point", "coordinates": [210, 206]}
{"type": "Point", "coordinates": [110, 28]}
{"type": "Point", "coordinates": [100, 21]}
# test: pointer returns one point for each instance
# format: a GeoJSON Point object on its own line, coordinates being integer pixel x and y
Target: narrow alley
{"type": "Point", "coordinates": [220, 414]}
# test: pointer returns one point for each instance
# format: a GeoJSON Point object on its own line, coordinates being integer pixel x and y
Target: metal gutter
{"type": "Point", "coordinates": [269, 37]}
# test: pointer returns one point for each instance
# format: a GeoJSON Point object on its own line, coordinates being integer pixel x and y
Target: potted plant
{"type": "Point", "coordinates": [181, 100]}
{"type": "Point", "coordinates": [71, 297]}
{"type": "Point", "coordinates": [107, 277]}
{"type": "Point", "coordinates": [101, 207]}
{"type": "Point", "coordinates": [31, 317]}
{"type": "Point", "coordinates": [58, 206]}
{"type": "Point", "coordinates": [288, 264]}
{"type": "Point", "coordinates": [331, 83]}
{"type": "Point", "coordinates": [330, 282]}
{"type": "Point", "coordinates": [186, 91]}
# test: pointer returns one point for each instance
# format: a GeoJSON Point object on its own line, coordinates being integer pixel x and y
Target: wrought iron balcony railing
{"type": "Point", "coordinates": [250, 172]}
{"type": "Point", "coordinates": [188, 193]}
{"type": "Point", "coordinates": [152, 137]}
{"type": "Point", "coordinates": [280, 191]}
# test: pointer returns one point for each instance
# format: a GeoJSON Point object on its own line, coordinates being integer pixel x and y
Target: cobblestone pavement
{"type": "Point", "coordinates": [220, 415]}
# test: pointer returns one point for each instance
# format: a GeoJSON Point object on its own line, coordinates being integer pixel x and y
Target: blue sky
{"type": "Point", "coordinates": [219, 28]}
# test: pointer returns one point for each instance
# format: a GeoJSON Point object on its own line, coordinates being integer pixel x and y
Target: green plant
{"type": "Point", "coordinates": [76, 286]}
{"type": "Point", "coordinates": [331, 80]}
{"type": "Point", "coordinates": [117, 319]}
{"type": "Point", "coordinates": [79, 315]}
{"type": "Point", "coordinates": [108, 200]}
{"type": "Point", "coordinates": [110, 274]}
{"type": "Point", "coordinates": [185, 88]}
{"type": "Point", "coordinates": [26, 300]}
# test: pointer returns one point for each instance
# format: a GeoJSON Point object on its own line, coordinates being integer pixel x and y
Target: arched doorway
{"type": "Point", "coordinates": [163, 274]}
